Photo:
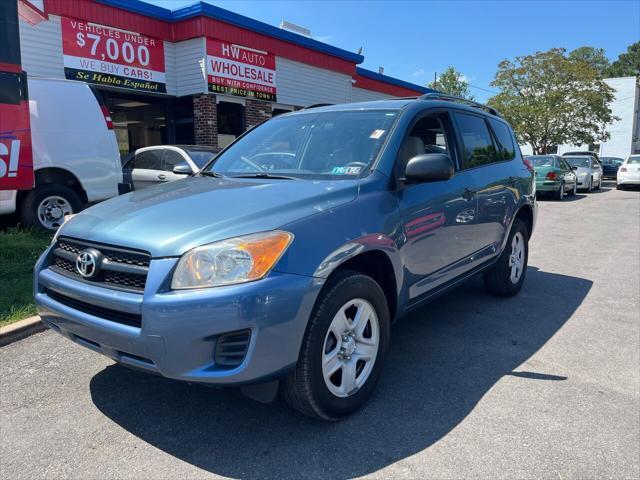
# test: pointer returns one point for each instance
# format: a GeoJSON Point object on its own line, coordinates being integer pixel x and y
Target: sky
{"type": "Point", "coordinates": [414, 39]}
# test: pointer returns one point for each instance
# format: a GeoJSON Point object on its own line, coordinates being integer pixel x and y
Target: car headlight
{"type": "Point", "coordinates": [236, 260]}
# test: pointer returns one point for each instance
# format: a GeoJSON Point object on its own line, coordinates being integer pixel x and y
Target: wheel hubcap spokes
{"type": "Point", "coordinates": [516, 258]}
{"type": "Point", "coordinates": [52, 210]}
{"type": "Point", "coordinates": [350, 347]}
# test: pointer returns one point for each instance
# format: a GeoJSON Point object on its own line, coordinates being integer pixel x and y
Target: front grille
{"type": "Point", "coordinates": [121, 268]}
{"type": "Point", "coordinates": [231, 348]}
{"type": "Point", "coordinates": [125, 318]}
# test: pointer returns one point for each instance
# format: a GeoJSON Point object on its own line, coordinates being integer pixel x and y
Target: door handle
{"type": "Point", "coordinates": [162, 176]}
{"type": "Point", "coordinates": [468, 194]}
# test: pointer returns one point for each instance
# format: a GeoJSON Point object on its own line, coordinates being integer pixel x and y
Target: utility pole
{"type": "Point", "coordinates": [435, 80]}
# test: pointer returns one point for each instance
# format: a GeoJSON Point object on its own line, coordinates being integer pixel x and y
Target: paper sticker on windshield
{"type": "Point", "coordinates": [376, 134]}
{"type": "Point", "coordinates": [346, 170]}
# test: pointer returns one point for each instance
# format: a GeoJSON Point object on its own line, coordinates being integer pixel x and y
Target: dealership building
{"type": "Point", "coordinates": [199, 74]}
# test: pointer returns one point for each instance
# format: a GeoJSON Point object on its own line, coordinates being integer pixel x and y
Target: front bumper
{"type": "Point", "coordinates": [179, 329]}
{"type": "Point", "coordinates": [583, 182]}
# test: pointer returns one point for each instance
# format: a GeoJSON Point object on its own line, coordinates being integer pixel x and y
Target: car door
{"type": "Point", "coordinates": [437, 218]}
{"type": "Point", "coordinates": [568, 176]}
{"type": "Point", "coordinates": [597, 171]}
{"type": "Point", "coordinates": [147, 168]}
{"type": "Point", "coordinates": [171, 158]}
{"type": "Point", "coordinates": [489, 162]}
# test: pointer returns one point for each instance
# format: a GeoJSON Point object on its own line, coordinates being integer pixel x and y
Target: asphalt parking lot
{"type": "Point", "coordinates": [543, 385]}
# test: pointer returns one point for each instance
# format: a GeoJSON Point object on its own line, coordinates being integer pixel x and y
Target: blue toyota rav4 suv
{"type": "Point", "coordinates": [282, 264]}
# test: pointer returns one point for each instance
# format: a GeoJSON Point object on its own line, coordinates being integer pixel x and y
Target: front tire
{"type": "Point", "coordinates": [45, 206]}
{"type": "Point", "coordinates": [506, 276]}
{"type": "Point", "coordinates": [590, 187]}
{"type": "Point", "coordinates": [343, 349]}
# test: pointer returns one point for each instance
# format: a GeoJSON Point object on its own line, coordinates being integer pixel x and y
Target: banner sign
{"type": "Point", "coordinates": [16, 161]}
{"type": "Point", "coordinates": [241, 71]}
{"type": "Point", "coordinates": [108, 56]}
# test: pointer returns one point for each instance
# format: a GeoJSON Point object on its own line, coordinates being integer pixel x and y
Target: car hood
{"type": "Point", "coordinates": [169, 219]}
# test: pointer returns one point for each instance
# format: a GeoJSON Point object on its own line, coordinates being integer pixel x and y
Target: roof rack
{"type": "Point", "coordinates": [464, 101]}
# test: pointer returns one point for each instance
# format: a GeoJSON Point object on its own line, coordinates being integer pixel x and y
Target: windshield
{"type": "Point", "coordinates": [323, 145]}
{"type": "Point", "coordinates": [633, 160]}
{"type": "Point", "coordinates": [543, 161]}
{"type": "Point", "coordinates": [200, 157]}
{"type": "Point", "coordinates": [579, 161]}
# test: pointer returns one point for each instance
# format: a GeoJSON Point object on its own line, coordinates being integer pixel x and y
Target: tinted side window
{"type": "Point", "coordinates": [477, 143]}
{"type": "Point", "coordinates": [150, 160]}
{"type": "Point", "coordinates": [171, 159]}
{"type": "Point", "coordinates": [505, 139]}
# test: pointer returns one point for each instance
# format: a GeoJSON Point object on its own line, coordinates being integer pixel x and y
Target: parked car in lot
{"type": "Point", "coordinates": [629, 172]}
{"type": "Point", "coordinates": [553, 175]}
{"type": "Point", "coordinates": [165, 163]}
{"type": "Point", "coordinates": [286, 274]}
{"type": "Point", "coordinates": [582, 154]}
{"type": "Point", "coordinates": [588, 171]}
{"type": "Point", "coordinates": [610, 166]}
{"type": "Point", "coordinates": [75, 154]}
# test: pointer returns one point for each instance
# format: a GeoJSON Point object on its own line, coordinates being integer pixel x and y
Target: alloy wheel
{"type": "Point", "coordinates": [350, 348]}
{"type": "Point", "coordinates": [516, 258]}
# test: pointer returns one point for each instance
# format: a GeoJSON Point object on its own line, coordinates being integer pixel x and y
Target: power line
{"type": "Point", "coordinates": [483, 89]}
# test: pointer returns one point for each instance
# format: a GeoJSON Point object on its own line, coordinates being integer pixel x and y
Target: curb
{"type": "Point", "coordinates": [21, 329]}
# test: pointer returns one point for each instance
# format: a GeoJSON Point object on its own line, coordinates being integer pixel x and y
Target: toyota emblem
{"type": "Point", "coordinates": [88, 262]}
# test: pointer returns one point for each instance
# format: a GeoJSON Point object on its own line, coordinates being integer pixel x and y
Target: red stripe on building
{"type": "Point", "coordinates": [382, 87]}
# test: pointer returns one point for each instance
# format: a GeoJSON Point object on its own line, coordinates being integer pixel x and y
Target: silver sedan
{"type": "Point", "coordinates": [588, 170]}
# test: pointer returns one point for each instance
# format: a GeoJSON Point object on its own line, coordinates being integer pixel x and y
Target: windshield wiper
{"type": "Point", "coordinates": [209, 173]}
{"type": "Point", "coordinates": [265, 175]}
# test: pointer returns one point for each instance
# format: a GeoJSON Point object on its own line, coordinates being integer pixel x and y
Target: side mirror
{"type": "Point", "coordinates": [428, 167]}
{"type": "Point", "coordinates": [574, 168]}
{"type": "Point", "coordinates": [182, 169]}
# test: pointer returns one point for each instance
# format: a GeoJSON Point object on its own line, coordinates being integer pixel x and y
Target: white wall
{"type": "Point", "coordinates": [302, 85]}
{"type": "Point", "coordinates": [41, 48]}
{"type": "Point", "coordinates": [363, 95]}
{"type": "Point", "coordinates": [190, 61]}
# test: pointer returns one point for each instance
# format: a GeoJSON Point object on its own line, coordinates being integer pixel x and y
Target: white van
{"type": "Point", "coordinates": [75, 154]}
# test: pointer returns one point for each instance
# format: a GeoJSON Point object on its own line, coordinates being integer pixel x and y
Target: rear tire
{"type": "Point", "coordinates": [311, 388]}
{"type": "Point", "coordinates": [559, 195]}
{"type": "Point", "coordinates": [619, 187]}
{"type": "Point", "coordinates": [45, 206]}
{"type": "Point", "coordinates": [506, 276]}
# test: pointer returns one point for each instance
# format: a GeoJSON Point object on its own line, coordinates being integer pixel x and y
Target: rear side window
{"type": "Point", "coordinates": [478, 146]}
{"type": "Point", "coordinates": [149, 160]}
{"type": "Point", "coordinates": [504, 138]}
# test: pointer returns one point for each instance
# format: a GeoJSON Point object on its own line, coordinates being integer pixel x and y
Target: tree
{"type": "Point", "coordinates": [627, 64]}
{"type": "Point", "coordinates": [593, 56]}
{"type": "Point", "coordinates": [452, 82]}
{"type": "Point", "coordinates": [551, 99]}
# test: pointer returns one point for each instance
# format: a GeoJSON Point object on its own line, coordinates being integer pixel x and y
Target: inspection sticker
{"type": "Point", "coordinates": [376, 134]}
{"type": "Point", "coordinates": [346, 170]}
